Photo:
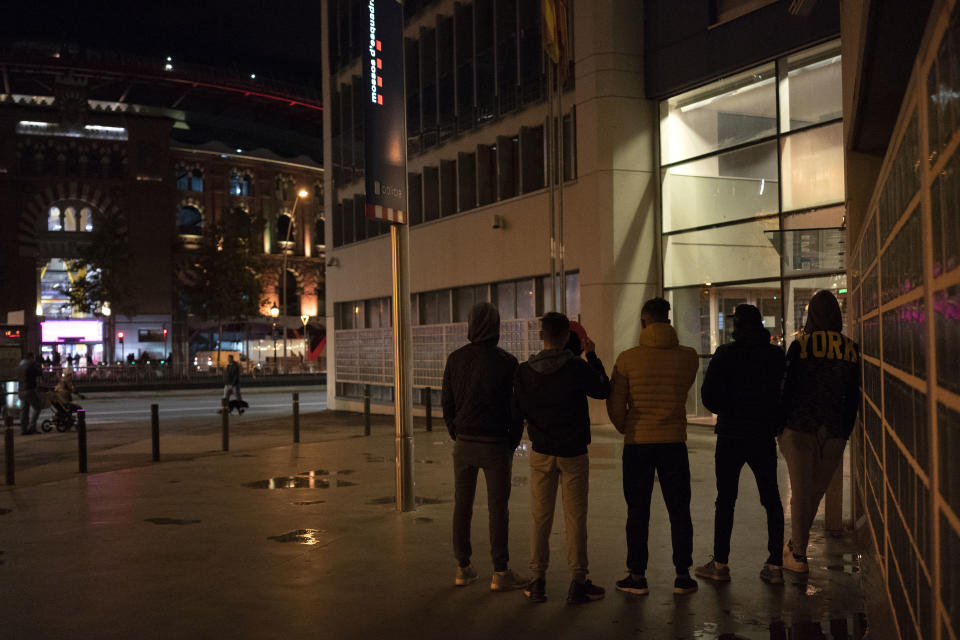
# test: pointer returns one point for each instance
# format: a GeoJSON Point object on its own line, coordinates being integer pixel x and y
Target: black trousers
{"type": "Point", "coordinates": [496, 460]}
{"type": "Point", "coordinates": [672, 465]}
{"type": "Point", "coordinates": [761, 456]}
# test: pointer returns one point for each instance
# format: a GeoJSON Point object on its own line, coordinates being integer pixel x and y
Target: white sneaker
{"type": "Point", "coordinates": [507, 581]}
{"type": "Point", "coordinates": [466, 575]}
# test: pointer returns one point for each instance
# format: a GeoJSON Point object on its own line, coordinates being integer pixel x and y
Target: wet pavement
{"type": "Point", "coordinates": [329, 557]}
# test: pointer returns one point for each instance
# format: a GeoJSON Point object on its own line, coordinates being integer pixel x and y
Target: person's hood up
{"type": "Point", "coordinates": [823, 313]}
{"type": "Point", "coordinates": [659, 335]}
{"type": "Point", "coordinates": [484, 324]}
{"type": "Point", "coordinates": [550, 360]}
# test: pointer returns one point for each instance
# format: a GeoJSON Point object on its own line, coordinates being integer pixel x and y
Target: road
{"type": "Point", "coordinates": [182, 409]}
{"type": "Point", "coordinates": [118, 428]}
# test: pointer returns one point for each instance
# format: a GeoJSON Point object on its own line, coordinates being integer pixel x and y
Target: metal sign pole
{"type": "Point", "coordinates": [402, 365]}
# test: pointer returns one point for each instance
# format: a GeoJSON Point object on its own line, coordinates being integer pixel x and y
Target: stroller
{"type": "Point", "coordinates": [62, 405]}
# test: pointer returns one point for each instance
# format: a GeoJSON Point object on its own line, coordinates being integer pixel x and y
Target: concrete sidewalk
{"type": "Point", "coordinates": [203, 548]}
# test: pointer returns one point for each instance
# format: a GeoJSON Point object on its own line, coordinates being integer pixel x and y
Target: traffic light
{"type": "Point", "coordinates": [120, 337]}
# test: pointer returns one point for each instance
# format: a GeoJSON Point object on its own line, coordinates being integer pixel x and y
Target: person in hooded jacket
{"type": "Point", "coordinates": [648, 397]}
{"type": "Point", "coordinates": [550, 393]}
{"type": "Point", "coordinates": [476, 397]}
{"type": "Point", "coordinates": [742, 386]}
{"type": "Point", "coordinates": [820, 400]}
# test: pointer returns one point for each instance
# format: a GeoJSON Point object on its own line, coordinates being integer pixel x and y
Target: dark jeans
{"type": "Point", "coordinates": [496, 460]}
{"type": "Point", "coordinates": [29, 399]}
{"type": "Point", "coordinates": [761, 456]}
{"type": "Point", "coordinates": [671, 464]}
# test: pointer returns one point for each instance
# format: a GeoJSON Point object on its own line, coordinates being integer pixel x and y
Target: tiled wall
{"type": "Point", "coordinates": [905, 277]}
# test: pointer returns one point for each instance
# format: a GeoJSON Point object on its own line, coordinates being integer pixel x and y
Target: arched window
{"type": "Point", "coordinates": [190, 179]}
{"type": "Point", "coordinates": [240, 184]}
{"type": "Point", "coordinates": [320, 232]}
{"type": "Point", "coordinates": [284, 229]}
{"type": "Point", "coordinates": [189, 221]}
{"type": "Point", "coordinates": [86, 219]}
{"type": "Point", "coordinates": [54, 223]}
{"type": "Point", "coordinates": [69, 219]}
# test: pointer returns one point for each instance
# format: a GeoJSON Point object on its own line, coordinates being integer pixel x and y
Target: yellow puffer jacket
{"type": "Point", "coordinates": [648, 388]}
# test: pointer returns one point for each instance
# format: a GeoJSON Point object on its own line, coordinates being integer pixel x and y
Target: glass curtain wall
{"type": "Point", "coordinates": [752, 190]}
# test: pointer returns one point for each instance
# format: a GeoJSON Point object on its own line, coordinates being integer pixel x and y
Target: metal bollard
{"type": "Point", "coordinates": [155, 430]}
{"type": "Point", "coordinates": [366, 410]}
{"type": "Point", "coordinates": [428, 404]}
{"type": "Point", "coordinates": [82, 439]}
{"type": "Point", "coordinates": [225, 421]}
{"type": "Point", "coordinates": [296, 417]}
{"type": "Point", "coordinates": [8, 454]}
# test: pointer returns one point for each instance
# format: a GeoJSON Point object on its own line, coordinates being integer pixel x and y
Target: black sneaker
{"type": "Point", "coordinates": [684, 585]}
{"type": "Point", "coordinates": [581, 592]}
{"type": "Point", "coordinates": [536, 590]}
{"type": "Point", "coordinates": [636, 586]}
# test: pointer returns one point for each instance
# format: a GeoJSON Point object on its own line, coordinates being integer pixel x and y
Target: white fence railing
{"type": "Point", "coordinates": [365, 356]}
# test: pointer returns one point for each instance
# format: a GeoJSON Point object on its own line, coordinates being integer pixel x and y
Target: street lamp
{"type": "Point", "coordinates": [302, 193]}
{"type": "Point", "coordinates": [306, 343]}
{"type": "Point", "coordinates": [274, 312]}
{"type": "Point", "coordinates": [106, 312]}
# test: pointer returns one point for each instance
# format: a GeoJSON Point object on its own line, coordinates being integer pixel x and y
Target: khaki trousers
{"type": "Point", "coordinates": [812, 460]}
{"type": "Point", "coordinates": [546, 474]}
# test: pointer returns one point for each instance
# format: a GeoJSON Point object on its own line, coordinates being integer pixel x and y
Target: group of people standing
{"type": "Point", "coordinates": [807, 401]}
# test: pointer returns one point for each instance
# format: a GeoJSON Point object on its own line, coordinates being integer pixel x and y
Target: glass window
{"type": "Point", "coordinates": [573, 295]}
{"type": "Point", "coordinates": [448, 187]}
{"type": "Point", "coordinates": [86, 219]}
{"type": "Point", "coordinates": [415, 197]}
{"type": "Point", "coordinates": [189, 221]}
{"type": "Point", "coordinates": [446, 77]}
{"type": "Point", "coordinates": [732, 253]}
{"type": "Point", "coordinates": [507, 300]}
{"type": "Point", "coordinates": [508, 159]}
{"type": "Point", "coordinates": [428, 69]}
{"type": "Point", "coordinates": [720, 115]}
{"type": "Point", "coordinates": [463, 15]}
{"type": "Point", "coordinates": [810, 87]}
{"type": "Point", "coordinates": [431, 193]}
{"type": "Point", "coordinates": [486, 81]}
{"type": "Point", "coordinates": [284, 228]}
{"type": "Point", "coordinates": [817, 219]}
{"type": "Point", "coordinates": [506, 39]}
{"type": "Point", "coordinates": [728, 186]}
{"type": "Point", "coordinates": [53, 219]}
{"type": "Point", "coordinates": [486, 174]}
{"type": "Point", "coordinates": [526, 299]}
{"type": "Point", "coordinates": [467, 170]}
{"type": "Point", "coordinates": [320, 232]}
{"type": "Point", "coordinates": [435, 307]}
{"type": "Point", "coordinates": [813, 167]}
{"type": "Point", "coordinates": [69, 219]}
{"type": "Point", "coordinates": [531, 157]}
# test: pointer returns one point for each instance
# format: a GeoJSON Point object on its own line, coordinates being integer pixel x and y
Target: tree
{"type": "Point", "coordinates": [220, 280]}
{"type": "Point", "coordinates": [102, 271]}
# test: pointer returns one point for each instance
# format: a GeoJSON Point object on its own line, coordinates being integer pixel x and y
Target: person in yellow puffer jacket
{"type": "Point", "coordinates": [647, 403]}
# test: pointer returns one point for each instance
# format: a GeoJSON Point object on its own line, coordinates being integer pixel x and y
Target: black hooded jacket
{"type": "Point", "coordinates": [477, 384]}
{"type": "Point", "coordinates": [742, 386]}
{"type": "Point", "coordinates": [551, 392]}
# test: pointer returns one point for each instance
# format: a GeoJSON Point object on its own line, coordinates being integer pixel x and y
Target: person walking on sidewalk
{"type": "Point", "coordinates": [231, 384]}
{"type": "Point", "coordinates": [742, 386]}
{"type": "Point", "coordinates": [476, 396]}
{"type": "Point", "coordinates": [29, 372]}
{"type": "Point", "coordinates": [821, 396]}
{"type": "Point", "coordinates": [550, 393]}
{"type": "Point", "coordinates": [647, 404]}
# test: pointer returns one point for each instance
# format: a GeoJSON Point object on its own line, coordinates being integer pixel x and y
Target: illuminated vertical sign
{"type": "Point", "coordinates": [383, 112]}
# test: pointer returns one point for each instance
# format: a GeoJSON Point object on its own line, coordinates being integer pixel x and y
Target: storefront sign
{"type": "Point", "coordinates": [383, 109]}
{"type": "Point", "coordinates": [71, 331]}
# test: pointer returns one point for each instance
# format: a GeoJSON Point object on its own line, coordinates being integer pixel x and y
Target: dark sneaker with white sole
{"type": "Point", "coordinates": [636, 586]}
{"type": "Point", "coordinates": [684, 585]}
{"type": "Point", "coordinates": [771, 574]}
{"type": "Point", "coordinates": [582, 592]}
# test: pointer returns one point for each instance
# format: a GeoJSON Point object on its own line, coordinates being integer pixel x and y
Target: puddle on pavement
{"type": "Point", "coordinates": [418, 500]}
{"type": "Point", "coordinates": [301, 536]}
{"type": "Point", "coordinates": [317, 479]}
{"type": "Point", "coordinates": [852, 627]}
{"type": "Point", "coordinates": [422, 520]}
{"type": "Point", "coordinates": [304, 503]}
{"type": "Point", "coordinates": [170, 521]}
{"type": "Point", "coordinates": [4, 512]}
{"type": "Point", "coordinates": [850, 564]}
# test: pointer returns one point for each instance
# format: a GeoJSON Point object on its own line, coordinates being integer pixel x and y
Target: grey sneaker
{"type": "Point", "coordinates": [771, 574]}
{"type": "Point", "coordinates": [507, 581]}
{"type": "Point", "coordinates": [466, 575]}
{"type": "Point", "coordinates": [713, 570]}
